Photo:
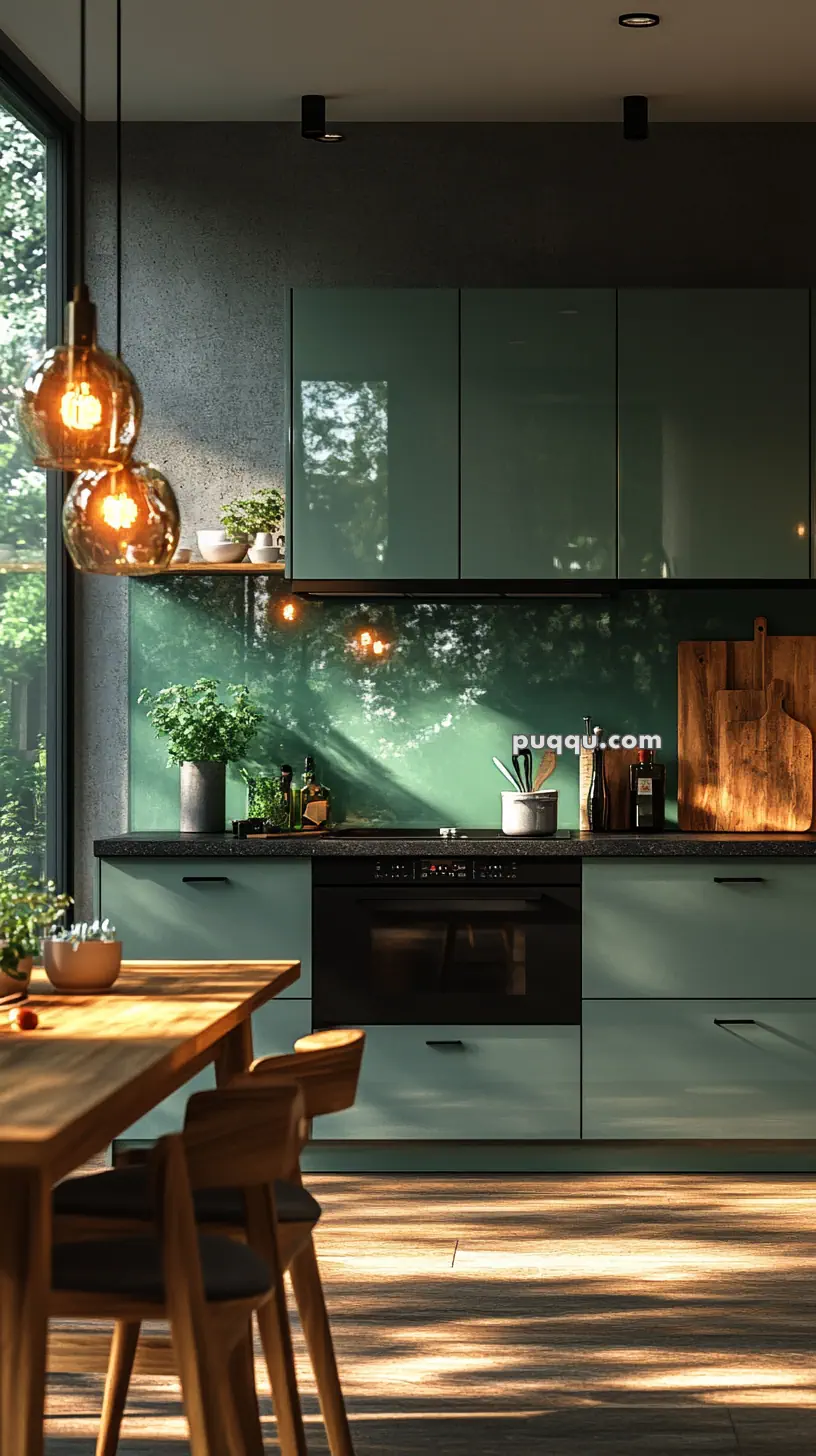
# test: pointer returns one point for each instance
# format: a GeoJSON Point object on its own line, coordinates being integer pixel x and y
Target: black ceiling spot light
{"type": "Point", "coordinates": [635, 118]}
{"type": "Point", "coordinates": [638, 20]}
{"type": "Point", "coordinates": [313, 121]}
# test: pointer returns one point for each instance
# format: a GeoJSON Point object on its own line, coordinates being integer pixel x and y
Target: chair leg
{"type": "Point", "coordinates": [276, 1338]}
{"type": "Point", "coordinates": [306, 1282]}
{"type": "Point", "coordinates": [205, 1392]}
{"type": "Point", "coordinates": [117, 1381]}
{"type": "Point", "coordinates": [245, 1395]}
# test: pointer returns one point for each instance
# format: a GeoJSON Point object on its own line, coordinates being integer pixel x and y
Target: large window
{"type": "Point", "coordinates": [28, 682]}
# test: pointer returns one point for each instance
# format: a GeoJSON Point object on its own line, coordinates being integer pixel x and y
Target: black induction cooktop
{"type": "Point", "coordinates": [430, 833]}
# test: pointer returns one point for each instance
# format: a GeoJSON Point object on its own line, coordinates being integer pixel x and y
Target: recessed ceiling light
{"type": "Point", "coordinates": [638, 20]}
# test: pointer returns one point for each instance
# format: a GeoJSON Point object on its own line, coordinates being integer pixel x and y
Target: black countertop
{"type": "Point", "coordinates": [677, 845]}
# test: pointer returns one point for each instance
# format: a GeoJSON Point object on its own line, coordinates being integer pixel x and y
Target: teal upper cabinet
{"type": "Point", "coordinates": [714, 421]}
{"type": "Point", "coordinates": [375, 433]}
{"type": "Point", "coordinates": [539, 468]}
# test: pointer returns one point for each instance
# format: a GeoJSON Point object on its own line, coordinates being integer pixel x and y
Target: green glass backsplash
{"type": "Point", "coordinates": [408, 740]}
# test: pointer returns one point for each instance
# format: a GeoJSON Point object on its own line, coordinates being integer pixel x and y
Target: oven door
{"type": "Point", "coordinates": [413, 955]}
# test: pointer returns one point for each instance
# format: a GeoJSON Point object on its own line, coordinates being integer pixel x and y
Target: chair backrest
{"type": "Point", "coordinates": [326, 1065]}
{"type": "Point", "coordinates": [244, 1136]}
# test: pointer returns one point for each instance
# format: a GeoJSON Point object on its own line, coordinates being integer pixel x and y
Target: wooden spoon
{"type": "Point", "coordinates": [546, 766]}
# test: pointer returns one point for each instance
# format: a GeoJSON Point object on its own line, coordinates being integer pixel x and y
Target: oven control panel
{"type": "Point", "coordinates": [394, 870]}
{"type": "Point", "coordinates": [443, 870]}
{"type": "Point", "coordinates": [492, 871]}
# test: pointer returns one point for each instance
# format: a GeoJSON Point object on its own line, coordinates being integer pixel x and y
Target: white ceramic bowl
{"type": "Point", "coordinates": [225, 551]}
{"type": "Point", "coordinates": [182, 555]}
{"type": "Point", "coordinates": [264, 554]}
{"type": "Point", "coordinates": [93, 966]}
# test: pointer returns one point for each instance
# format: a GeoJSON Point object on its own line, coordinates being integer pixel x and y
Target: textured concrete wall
{"type": "Point", "coordinates": [219, 218]}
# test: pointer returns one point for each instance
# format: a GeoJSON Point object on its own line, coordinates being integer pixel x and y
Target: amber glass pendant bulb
{"type": "Point", "coordinates": [79, 405]}
{"type": "Point", "coordinates": [121, 521]}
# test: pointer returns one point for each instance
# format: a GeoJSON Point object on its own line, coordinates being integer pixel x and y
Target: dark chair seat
{"type": "Point", "coordinates": [127, 1193]}
{"type": "Point", "coordinates": [132, 1268]}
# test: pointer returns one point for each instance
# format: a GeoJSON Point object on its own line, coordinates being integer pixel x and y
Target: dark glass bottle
{"type": "Point", "coordinates": [647, 792]}
{"type": "Point", "coordinates": [598, 796]}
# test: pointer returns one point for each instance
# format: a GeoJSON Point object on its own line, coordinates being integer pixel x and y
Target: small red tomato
{"type": "Point", "coordinates": [22, 1018]}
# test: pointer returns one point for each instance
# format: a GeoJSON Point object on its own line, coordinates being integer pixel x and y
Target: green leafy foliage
{"type": "Point", "coordinates": [28, 908]}
{"type": "Point", "coordinates": [262, 511]}
{"type": "Point", "coordinates": [198, 725]}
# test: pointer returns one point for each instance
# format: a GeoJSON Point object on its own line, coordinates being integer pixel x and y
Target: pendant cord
{"type": "Point", "coordinates": [83, 100]}
{"type": "Point", "coordinates": [119, 178]}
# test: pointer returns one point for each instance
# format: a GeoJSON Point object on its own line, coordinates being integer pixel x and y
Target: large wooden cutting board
{"type": "Point", "coordinates": [765, 769]}
{"type": "Point", "coordinates": [706, 669]}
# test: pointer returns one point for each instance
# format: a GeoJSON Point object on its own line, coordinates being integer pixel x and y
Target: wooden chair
{"type": "Point", "coordinates": [326, 1066]}
{"type": "Point", "coordinates": [206, 1285]}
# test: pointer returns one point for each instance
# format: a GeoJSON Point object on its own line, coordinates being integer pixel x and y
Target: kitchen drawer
{"type": "Point", "coordinates": [212, 909]}
{"type": "Point", "coordinates": [666, 1069]}
{"type": "Point", "coordinates": [275, 1029]}
{"type": "Point", "coordinates": [503, 1082]}
{"type": "Point", "coordinates": [718, 927]}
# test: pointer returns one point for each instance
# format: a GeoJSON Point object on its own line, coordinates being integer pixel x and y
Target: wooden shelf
{"type": "Point", "coordinates": [241, 568]}
{"type": "Point", "coordinates": [26, 566]}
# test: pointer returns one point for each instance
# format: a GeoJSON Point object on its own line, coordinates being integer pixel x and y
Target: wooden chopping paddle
{"type": "Point", "coordinates": [766, 770]}
{"type": "Point", "coordinates": [546, 766]}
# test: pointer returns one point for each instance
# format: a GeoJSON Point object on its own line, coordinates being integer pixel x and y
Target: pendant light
{"type": "Point", "coordinates": [120, 520]}
{"type": "Point", "coordinates": [79, 405]}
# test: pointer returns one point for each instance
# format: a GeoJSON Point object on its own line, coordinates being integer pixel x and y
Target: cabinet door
{"type": "Point", "coordinates": [539, 449]}
{"type": "Point", "coordinates": [699, 1069]}
{"type": "Point", "coordinates": [719, 927]}
{"type": "Point", "coordinates": [470, 1082]}
{"type": "Point", "coordinates": [375, 433]}
{"type": "Point", "coordinates": [275, 1029]}
{"type": "Point", "coordinates": [714, 416]}
{"type": "Point", "coordinates": [213, 909]}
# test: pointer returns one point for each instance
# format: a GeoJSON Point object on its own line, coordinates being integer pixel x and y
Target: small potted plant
{"type": "Point", "coordinates": [203, 734]}
{"type": "Point", "coordinates": [28, 908]}
{"type": "Point", "coordinates": [83, 957]}
{"type": "Point", "coordinates": [259, 516]}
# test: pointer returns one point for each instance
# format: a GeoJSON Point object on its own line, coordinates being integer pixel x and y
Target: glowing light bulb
{"type": "Point", "coordinates": [288, 612]}
{"type": "Point", "coordinates": [378, 648]}
{"type": "Point", "coordinates": [365, 639]}
{"type": "Point", "coordinates": [79, 409]}
{"type": "Point", "coordinates": [801, 529]}
{"type": "Point", "coordinates": [119, 511]}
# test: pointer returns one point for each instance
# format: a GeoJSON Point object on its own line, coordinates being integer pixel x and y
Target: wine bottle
{"type": "Point", "coordinates": [647, 792]}
{"type": "Point", "coordinates": [598, 796]}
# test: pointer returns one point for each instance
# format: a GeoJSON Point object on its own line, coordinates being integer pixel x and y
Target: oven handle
{"type": "Point", "coordinates": [426, 904]}
{"type": "Point", "coordinates": [447, 1046]}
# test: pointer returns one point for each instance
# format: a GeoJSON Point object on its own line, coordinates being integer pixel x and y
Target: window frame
{"type": "Point", "coordinates": [39, 106]}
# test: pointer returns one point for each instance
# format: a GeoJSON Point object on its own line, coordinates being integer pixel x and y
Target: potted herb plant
{"type": "Point", "coordinates": [259, 516]}
{"type": "Point", "coordinates": [203, 735]}
{"type": "Point", "coordinates": [28, 908]}
{"type": "Point", "coordinates": [80, 958]}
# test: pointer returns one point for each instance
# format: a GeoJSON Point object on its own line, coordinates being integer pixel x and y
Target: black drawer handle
{"type": "Point", "coordinates": [734, 1021]}
{"type": "Point", "coordinates": [455, 1046]}
{"type": "Point", "coordinates": [739, 880]}
{"type": "Point", "coordinates": [205, 879]}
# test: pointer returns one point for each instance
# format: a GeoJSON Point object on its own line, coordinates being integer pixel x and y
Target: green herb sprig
{"type": "Point", "coordinates": [198, 725]}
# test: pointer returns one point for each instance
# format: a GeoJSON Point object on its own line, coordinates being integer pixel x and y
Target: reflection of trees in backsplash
{"type": "Point", "coordinates": [452, 668]}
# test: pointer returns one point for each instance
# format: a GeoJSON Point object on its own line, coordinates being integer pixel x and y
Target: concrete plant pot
{"type": "Point", "coordinates": [90, 966]}
{"type": "Point", "coordinates": [203, 797]}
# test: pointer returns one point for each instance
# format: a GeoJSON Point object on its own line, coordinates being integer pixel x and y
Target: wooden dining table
{"type": "Point", "coordinates": [91, 1068]}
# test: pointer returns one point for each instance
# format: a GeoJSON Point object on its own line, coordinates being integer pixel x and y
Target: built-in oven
{"type": "Point", "coordinates": [449, 939]}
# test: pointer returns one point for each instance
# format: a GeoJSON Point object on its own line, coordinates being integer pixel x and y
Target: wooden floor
{"type": "Point", "coordinates": [636, 1316]}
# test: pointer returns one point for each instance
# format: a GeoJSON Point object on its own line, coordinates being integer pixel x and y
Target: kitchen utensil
{"type": "Point", "coordinates": [706, 668]}
{"type": "Point", "coordinates": [523, 767]}
{"type": "Point", "coordinates": [766, 770]}
{"type": "Point", "coordinates": [516, 782]}
{"type": "Point", "coordinates": [530, 813]}
{"type": "Point", "coordinates": [546, 766]}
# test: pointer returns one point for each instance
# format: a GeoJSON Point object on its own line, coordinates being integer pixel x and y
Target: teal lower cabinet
{"type": "Point", "coordinates": [719, 927]}
{"type": "Point", "coordinates": [212, 909]}
{"type": "Point", "coordinates": [698, 1069]}
{"type": "Point", "coordinates": [275, 1029]}
{"type": "Point", "coordinates": [464, 1083]}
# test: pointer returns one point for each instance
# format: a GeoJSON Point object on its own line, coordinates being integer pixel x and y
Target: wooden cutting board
{"type": "Point", "coordinates": [737, 672]}
{"type": "Point", "coordinates": [765, 769]}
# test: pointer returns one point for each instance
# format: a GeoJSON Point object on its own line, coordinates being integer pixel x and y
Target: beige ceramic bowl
{"type": "Point", "coordinates": [93, 966]}
{"type": "Point", "coordinates": [10, 985]}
